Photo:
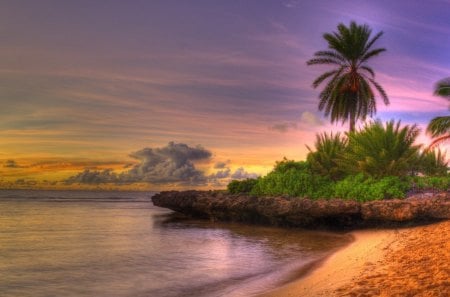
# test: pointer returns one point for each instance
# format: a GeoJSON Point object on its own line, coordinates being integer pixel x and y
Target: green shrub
{"type": "Point", "coordinates": [294, 179]}
{"type": "Point", "coordinates": [363, 188]}
{"type": "Point", "coordinates": [381, 150]}
{"type": "Point", "coordinates": [433, 163]}
{"type": "Point", "coordinates": [304, 184]}
{"type": "Point", "coordinates": [431, 183]}
{"type": "Point", "coordinates": [297, 179]}
{"type": "Point", "coordinates": [291, 182]}
{"type": "Point", "coordinates": [241, 186]}
{"type": "Point", "coordinates": [328, 149]}
{"type": "Point", "coordinates": [286, 165]}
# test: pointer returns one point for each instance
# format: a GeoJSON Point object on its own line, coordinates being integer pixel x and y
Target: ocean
{"type": "Point", "coordinates": [94, 243]}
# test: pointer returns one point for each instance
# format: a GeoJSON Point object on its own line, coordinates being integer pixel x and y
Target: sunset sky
{"type": "Point", "coordinates": [186, 94]}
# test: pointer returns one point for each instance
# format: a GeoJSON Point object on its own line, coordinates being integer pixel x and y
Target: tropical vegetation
{"type": "Point", "coordinates": [379, 150]}
{"type": "Point", "coordinates": [378, 160]}
{"type": "Point", "coordinates": [433, 163]}
{"type": "Point", "coordinates": [323, 160]}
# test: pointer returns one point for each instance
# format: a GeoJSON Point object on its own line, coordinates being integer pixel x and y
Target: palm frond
{"type": "Point", "coordinates": [439, 140]}
{"type": "Point", "coordinates": [372, 41]}
{"type": "Point", "coordinates": [368, 69]}
{"type": "Point", "coordinates": [323, 77]}
{"type": "Point", "coordinates": [381, 91]}
{"type": "Point", "coordinates": [439, 126]}
{"type": "Point", "coordinates": [323, 61]}
{"type": "Point", "coordinates": [330, 54]}
{"type": "Point", "coordinates": [371, 54]}
{"type": "Point", "coordinates": [442, 88]}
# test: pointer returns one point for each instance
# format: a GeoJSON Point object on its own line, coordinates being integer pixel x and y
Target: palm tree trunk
{"type": "Point", "coordinates": [352, 124]}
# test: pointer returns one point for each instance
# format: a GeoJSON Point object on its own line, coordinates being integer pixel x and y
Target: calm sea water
{"type": "Point", "coordinates": [75, 243]}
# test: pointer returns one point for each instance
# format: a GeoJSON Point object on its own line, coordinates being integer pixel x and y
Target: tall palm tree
{"type": "Point", "coordinates": [348, 93]}
{"type": "Point", "coordinates": [439, 127]}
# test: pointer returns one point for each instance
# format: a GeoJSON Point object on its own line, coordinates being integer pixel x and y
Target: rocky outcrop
{"type": "Point", "coordinates": [301, 212]}
{"type": "Point", "coordinates": [422, 206]}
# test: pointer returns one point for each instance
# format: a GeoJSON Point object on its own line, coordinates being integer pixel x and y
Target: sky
{"type": "Point", "coordinates": [190, 94]}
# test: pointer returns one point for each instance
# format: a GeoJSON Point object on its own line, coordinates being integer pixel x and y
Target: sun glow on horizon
{"type": "Point", "coordinates": [81, 94]}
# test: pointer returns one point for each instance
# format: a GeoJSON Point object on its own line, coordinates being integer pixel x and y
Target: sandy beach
{"type": "Point", "coordinates": [395, 262]}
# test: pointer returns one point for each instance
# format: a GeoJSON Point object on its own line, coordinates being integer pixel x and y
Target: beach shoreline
{"type": "Point", "coordinates": [381, 262]}
{"type": "Point", "coordinates": [339, 267]}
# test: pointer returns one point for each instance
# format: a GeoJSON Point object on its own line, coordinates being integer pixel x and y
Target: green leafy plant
{"type": "Point", "coordinates": [380, 150]}
{"type": "Point", "coordinates": [431, 183]}
{"type": "Point", "coordinates": [294, 179]}
{"type": "Point", "coordinates": [286, 165]}
{"type": "Point", "coordinates": [328, 149]}
{"type": "Point", "coordinates": [433, 163]}
{"type": "Point", "coordinates": [362, 188]}
{"type": "Point", "coordinates": [241, 186]}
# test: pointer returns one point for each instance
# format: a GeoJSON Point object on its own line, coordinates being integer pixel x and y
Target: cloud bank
{"type": "Point", "coordinates": [171, 164]}
{"type": "Point", "coordinates": [12, 164]}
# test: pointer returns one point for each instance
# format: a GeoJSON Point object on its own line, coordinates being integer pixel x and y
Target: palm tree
{"type": "Point", "coordinates": [348, 93]}
{"type": "Point", "coordinates": [328, 149]}
{"type": "Point", "coordinates": [433, 163]}
{"type": "Point", "coordinates": [439, 127]}
{"type": "Point", "coordinates": [379, 150]}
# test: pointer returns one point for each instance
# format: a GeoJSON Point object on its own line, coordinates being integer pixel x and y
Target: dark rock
{"type": "Point", "coordinates": [300, 212]}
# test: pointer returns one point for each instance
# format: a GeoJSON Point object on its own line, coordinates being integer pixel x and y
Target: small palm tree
{"type": "Point", "coordinates": [439, 127]}
{"type": "Point", "coordinates": [348, 94]}
{"type": "Point", "coordinates": [328, 149]}
{"type": "Point", "coordinates": [433, 163]}
{"type": "Point", "coordinates": [381, 150]}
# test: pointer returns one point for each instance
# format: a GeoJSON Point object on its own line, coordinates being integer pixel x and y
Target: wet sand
{"type": "Point", "coordinates": [399, 262]}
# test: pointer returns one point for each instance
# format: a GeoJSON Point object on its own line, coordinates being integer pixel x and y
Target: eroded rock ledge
{"type": "Point", "coordinates": [299, 212]}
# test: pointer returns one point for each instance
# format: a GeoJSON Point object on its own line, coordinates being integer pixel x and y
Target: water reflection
{"type": "Point", "coordinates": [116, 248]}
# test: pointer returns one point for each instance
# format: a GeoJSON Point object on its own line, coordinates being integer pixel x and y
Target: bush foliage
{"type": "Point", "coordinates": [381, 150]}
{"type": "Point", "coordinates": [433, 163]}
{"type": "Point", "coordinates": [292, 178]}
{"type": "Point", "coordinates": [377, 162]}
{"type": "Point", "coordinates": [328, 149]}
{"type": "Point", "coordinates": [431, 183]}
{"type": "Point", "coordinates": [367, 188]}
{"type": "Point", "coordinates": [241, 186]}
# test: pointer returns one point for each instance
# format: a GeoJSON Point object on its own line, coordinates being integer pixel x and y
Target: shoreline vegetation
{"type": "Point", "coordinates": [378, 162]}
